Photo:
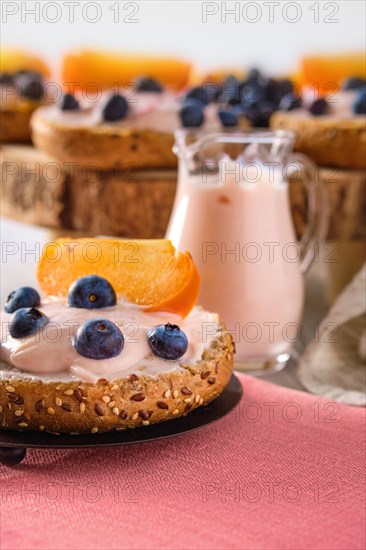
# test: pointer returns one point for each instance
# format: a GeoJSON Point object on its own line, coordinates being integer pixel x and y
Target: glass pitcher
{"type": "Point", "coordinates": [232, 212]}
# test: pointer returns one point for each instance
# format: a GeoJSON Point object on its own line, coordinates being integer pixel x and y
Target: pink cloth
{"type": "Point", "coordinates": [283, 471]}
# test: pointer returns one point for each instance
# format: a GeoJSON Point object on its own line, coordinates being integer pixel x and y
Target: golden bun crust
{"type": "Point", "coordinates": [107, 146]}
{"type": "Point", "coordinates": [15, 121]}
{"type": "Point", "coordinates": [328, 140]}
{"type": "Point", "coordinates": [78, 407]}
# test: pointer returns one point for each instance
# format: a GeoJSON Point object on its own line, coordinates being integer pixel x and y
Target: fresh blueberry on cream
{"type": "Point", "coordinates": [91, 292]}
{"type": "Point", "coordinates": [319, 107]}
{"type": "Point", "coordinates": [228, 118]}
{"type": "Point", "coordinates": [26, 321]}
{"type": "Point", "coordinates": [200, 93]}
{"type": "Point", "coordinates": [69, 103]}
{"type": "Point", "coordinates": [25, 296]}
{"type": "Point", "coordinates": [191, 115]}
{"type": "Point", "coordinates": [145, 84]}
{"type": "Point", "coordinates": [230, 91]}
{"type": "Point", "coordinates": [353, 83]}
{"type": "Point", "coordinates": [168, 341]}
{"type": "Point", "coordinates": [115, 109]}
{"type": "Point", "coordinates": [359, 105]}
{"type": "Point", "coordinates": [99, 339]}
{"type": "Point", "coordinates": [30, 85]}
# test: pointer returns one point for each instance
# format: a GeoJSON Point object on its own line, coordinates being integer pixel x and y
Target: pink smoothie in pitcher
{"type": "Point", "coordinates": [237, 224]}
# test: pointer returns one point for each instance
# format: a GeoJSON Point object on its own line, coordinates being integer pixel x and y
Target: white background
{"type": "Point", "coordinates": [271, 35]}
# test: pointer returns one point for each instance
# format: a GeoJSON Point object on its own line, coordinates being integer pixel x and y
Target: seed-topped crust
{"type": "Point", "coordinates": [137, 400]}
{"type": "Point", "coordinates": [15, 120]}
{"type": "Point", "coordinates": [329, 140]}
{"type": "Point", "coordinates": [106, 145]}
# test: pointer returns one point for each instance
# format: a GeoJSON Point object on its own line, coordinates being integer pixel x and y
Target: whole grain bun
{"type": "Point", "coordinates": [109, 145]}
{"type": "Point", "coordinates": [78, 407]}
{"type": "Point", "coordinates": [105, 145]}
{"type": "Point", "coordinates": [329, 140]}
{"type": "Point", "coordinates": [15, 122]}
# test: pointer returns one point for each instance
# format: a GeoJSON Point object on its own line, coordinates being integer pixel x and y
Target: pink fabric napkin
{"type": "Point", "coordinates": [285, 470]}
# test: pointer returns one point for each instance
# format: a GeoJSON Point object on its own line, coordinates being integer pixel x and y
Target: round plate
{"type": "Point", "coordinates": [13, 443]}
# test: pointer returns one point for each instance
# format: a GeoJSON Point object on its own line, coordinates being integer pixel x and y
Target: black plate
{"type": "Point", "coordinates": [13, 444]}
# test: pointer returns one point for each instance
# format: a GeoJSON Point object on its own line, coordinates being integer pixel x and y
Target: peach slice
{"type": "Point", "coordinates": [12, 60]}
{"type": "Point", "coordinates": [327, 72]}
{"type": "Point", "coordinates": [110, 70]}
{"type": "Point", "coordinates": [149, 273]}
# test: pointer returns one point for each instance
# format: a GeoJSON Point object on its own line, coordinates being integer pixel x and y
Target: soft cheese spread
{"type": "Point", "coordinates": [147, 111]}
{"type": "Point", "coordinates": [50, 354]}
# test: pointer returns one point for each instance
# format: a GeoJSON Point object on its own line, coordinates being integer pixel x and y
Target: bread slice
{"type": "Point", "coordinates": [36, 189]}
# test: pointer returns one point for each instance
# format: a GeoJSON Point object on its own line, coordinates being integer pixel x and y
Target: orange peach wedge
{"type": "Point", "coordinates": [328, 72]}
{"type": "Point", "coordinates": [111, 70]}
{"type": "Point", "coordinates": [149, 273]}
{"type": "Point", "coordinates": [12, 60]}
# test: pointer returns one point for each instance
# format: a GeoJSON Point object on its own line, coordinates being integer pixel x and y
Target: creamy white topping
{"type": "Point", "coordinates": [339, 102]}
{"type": "Point", "coordinates": [50, 354]}
{"type": "Point", "coordinates": [147, 111]}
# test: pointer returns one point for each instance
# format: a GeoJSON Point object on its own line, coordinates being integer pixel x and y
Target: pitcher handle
{"type": "Point", "coordinates": [318, 210]}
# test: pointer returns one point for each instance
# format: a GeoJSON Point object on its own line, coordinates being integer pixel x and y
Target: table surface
{"type": "Point", "coordinates": [21, 244]}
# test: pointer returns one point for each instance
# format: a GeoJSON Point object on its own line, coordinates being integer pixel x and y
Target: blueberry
{"type": "Point", "coordinates": [253, 75]}
{"type": "Point", "coordinates": [30, 85]}
{"type": "Point", "coordinates": [259, 114]}
{"type": "Point", "coordinates": [234, 100]}
{"type": "Point", "coordinates": [250, 93]}
{"type": "Point", "coordinates": [270, 90]}
{"type": "Point", "coordinates": [319, 107]}
{"type": "Point", "coordinates": [194, 101]}
{"type": "Point", "coordinates": [199, 92]}
{"type": "Point", "coordinates": [69, 103]}
{"type": "Point", "coordinates": [144, 84]}
{"type": "Point", "coordinates": [116, 108]}
{"type": "Point", "coordinates": [266, 109]}
{"type": "Point", "coordinates": [290, 102]}
{"type": "Point", "coordinates": [99, 339]}
{"type": "Point", "coordinates": [191, 115]}
{"type": "Point", "coordinates": [25, 296]}
{"type": "Point", "coordinates": [267, 106]}
{"type": "Point", "coordinates": [353, 83]}
{"type": "Point", "coordinates": [26, 321]}
{"type": "Point", "coordinates": [230, 91]}
{"type": "Point", "coordinates": [168, 341]}
{"type": "Point", "coordinates": [91, 292]}
{"type": "Point", "coordinates": [231, 81]}
{"type": "Point", "coordinates": [252, 113]}
{"type": "Point", "coordinates": [228, 118]}
{"type": "Point", "coordinates": [212, 91]}
{"type": "Point", "coordinates": [359, 105]}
